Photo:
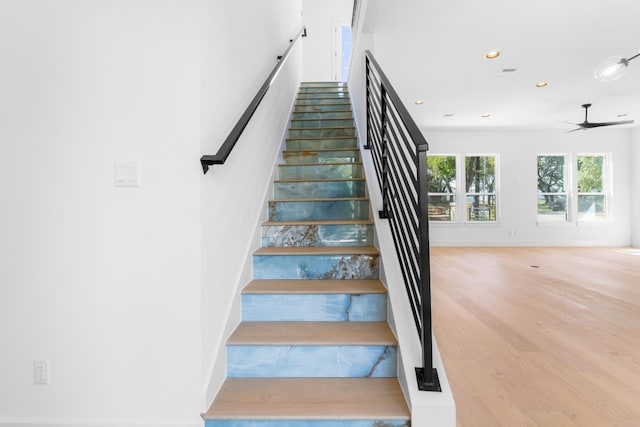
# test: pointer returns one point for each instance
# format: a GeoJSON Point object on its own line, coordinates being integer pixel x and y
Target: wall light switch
{"type": "Point", "coordinates": [127, 174]}
{"type": "Point", "coordinates": [41, 372]}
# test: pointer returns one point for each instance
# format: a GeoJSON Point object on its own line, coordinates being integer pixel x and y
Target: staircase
{"type": "Point", "coordinates": [314, 348]}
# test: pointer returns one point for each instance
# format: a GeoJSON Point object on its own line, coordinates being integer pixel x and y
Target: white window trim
{"type": "Point", "coordinates": [607, 184]}
{"type": "Point", "coordinates": [463, 193]}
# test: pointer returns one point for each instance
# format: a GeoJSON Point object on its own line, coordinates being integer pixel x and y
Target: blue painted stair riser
{"type": "Point", "coordinates": [329, 267]}
{"type": "Point", "coordinates": [314, 307]}
{"type": "Point", "coordinates": [312, 235]}
{"type": "Point", "coordinates": [308, 361]}
{"type": "Point", "coordinates": [321, 156]}
{"type": "Point", "coordinates": [322, 171]}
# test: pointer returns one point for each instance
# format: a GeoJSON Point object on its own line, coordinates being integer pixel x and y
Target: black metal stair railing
{"type": "Point", "coordinates": [225, 149]}
{"type": "Point", "coordinates": [399, 153]}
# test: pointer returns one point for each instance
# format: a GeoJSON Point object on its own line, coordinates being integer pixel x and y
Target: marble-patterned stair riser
{"type": "Point", "coordinates": [303, 210]}
{"type": "Point", "coordinates": [323, 84]}
{"type": "Point", "coordinates": [321, 107]}
{"type": "Point", "coordinates": [307, 423]}
{"type": "Point", "coordinates": [312, 89]}
{"type": "Point", "coordinates": [323, 115]}
{"type": "Point", "coordinates": [321, 171]}
{"type": "Point", "coordinates": [312, 235]}
{"type": "Point", "coordinates": [296, 157]}
{"type": "Point", "coordinates": [320, 123]}
{"type": "Point", "coordinates": [319, 189]}
{"type": "Point", "coordinates": [310, 361]}
{"type": "Point", "coordinates": [336, 267]}
{"type": "Point", "coordinates": [323, 94]}
{"type": "Point", "coordinates": [314, 308]}
{"type": "Point", "coordinates": [321, 132]}
{"type": "Point", "coordinates": [324, 101]}
{"type": "Point", "coordinates": [321, 143]}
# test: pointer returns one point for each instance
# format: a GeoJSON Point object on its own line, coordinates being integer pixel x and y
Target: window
{"type": "Point", "coordinates": [592, 188]}
{"type": "Point", "coordinates": [552, 188]}
{"type": "Point", "coordinates": [442, 187]}
{"type": "Point", "coordinates": [480, 188]}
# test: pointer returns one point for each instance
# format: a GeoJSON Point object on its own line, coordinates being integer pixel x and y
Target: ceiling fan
{"type": "Point", "coordinates": [588, 125]}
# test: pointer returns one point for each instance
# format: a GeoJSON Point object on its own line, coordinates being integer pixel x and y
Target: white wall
{"type": "Point", "coordinates": [102, 282]}
{"type": "Point", "coordinates": [517, 152]}
{"type": "Point", "coordinates": [321, 18]}
{"type": "Point", "coordinates": [233, 194]}
{"type": "Point", "coordinates": [634, 160]}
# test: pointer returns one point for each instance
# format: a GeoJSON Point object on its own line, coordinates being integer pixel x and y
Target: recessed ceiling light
{"type": "Point", "coordinates": [484, 116]}
{"type": "Point", "coordinates": [419, 102]}
{"type": "Point", "coordinates": [542, 84]}
{"type": "Point", "coordinates": [492, 55]}
{"type": "Point", "coordinates": [449, 115]}
{"type": "Point", "coordinates": [622, 115]}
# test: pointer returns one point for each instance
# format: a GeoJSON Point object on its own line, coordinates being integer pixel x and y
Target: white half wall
{"type": "Point", "coordinates": [102, 282]}
{"type": "Point", "coordinates": [234, 67]}
{"type": "Point", "coordinates": [321, 17]}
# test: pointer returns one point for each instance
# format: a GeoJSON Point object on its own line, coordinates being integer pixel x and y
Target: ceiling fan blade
{"type": "Point", "coordinates": [600, 124]}
{"type": "Point", "coordinates": [573, 130]}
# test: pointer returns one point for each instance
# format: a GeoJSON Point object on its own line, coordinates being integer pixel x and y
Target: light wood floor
{"type": "Point", "coordinates": [540, 336]}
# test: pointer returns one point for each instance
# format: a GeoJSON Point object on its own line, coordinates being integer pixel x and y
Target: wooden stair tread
{"type": "Point", "coordinates": [323, 127]}
{"type": "Point", "coordinates": [318, 250]}
{"type": "Point", "coordinates": [322, 222]}
{"type": "Point", "coordinates": [313, 333]}
{"type": "Point", "coordinates": [309, 398]}
{"type": "Point", "coordinates": [305, 286]}
{"type": "Point", "coordinates": [305, 138]}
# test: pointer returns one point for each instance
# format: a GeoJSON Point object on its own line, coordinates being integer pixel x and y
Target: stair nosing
{"type": "Point", "coordinates": [320, 222]}
{"type": "Point", "coordinates": [323, 199]}
{"type": "Point", "coordinates": [306, 333]}
{"type": "Point", "coordinates": [297, 180]}
{"type": "Point", "coordinates": [304, 138]}
{"type": "Point", "coordinates": [320, 150]}
{"type": "Point", "coordinates": [316, 250]}
{"type": "Point", "coordinates": [309, 399]}
{"type": "Point", "coordinates": [291, 165]}
{"type": "Point", "coordinates": [313, 286]}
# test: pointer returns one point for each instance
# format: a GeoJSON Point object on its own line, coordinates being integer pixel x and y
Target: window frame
{"type": "Point", "coordinates": [455, 194]}
{"type": "Point", "coordinates": [567, 192]}
{"type": "Point", "coordinates": [464, 194]}
{"type": "Point", "coordinates": [606, 187]}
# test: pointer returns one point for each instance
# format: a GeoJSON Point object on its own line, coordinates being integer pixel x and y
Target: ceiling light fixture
{"type": "Point", "coordinates": [484, 116]}
{"type": "Point", "coordinates": [492, 55]}
{"type": "Point", "coordinates": [613, 68]}
{"type": "Point", "coordinates": [542, 84]}
{"type": "Point", "coordinates": [419, 102]}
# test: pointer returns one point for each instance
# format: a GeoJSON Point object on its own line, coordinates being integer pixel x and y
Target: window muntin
{"type": "Point", "coordinates": [552, 188]}
{"type": "Point", "coordinates": [480, 188]}
{"type": "Point", "coordinates": [442, 187]}
{"type": "Point", "coordinates": [592, 187]}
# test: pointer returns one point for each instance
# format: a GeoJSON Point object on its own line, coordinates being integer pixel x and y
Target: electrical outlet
{"type": "Point", "coordinates": [41, 372]}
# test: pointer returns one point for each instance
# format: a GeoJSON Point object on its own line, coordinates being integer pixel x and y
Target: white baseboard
{"type": "Point", "coordinates": [94, 423]}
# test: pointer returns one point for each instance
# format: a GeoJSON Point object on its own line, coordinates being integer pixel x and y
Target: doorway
{"type": "Point", "coordinates": [342, 52]}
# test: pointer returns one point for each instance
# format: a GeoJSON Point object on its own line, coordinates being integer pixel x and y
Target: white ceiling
{"type": "Point", "coordinates": [558, 41]}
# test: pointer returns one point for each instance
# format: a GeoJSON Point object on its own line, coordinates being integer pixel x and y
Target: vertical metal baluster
{"type": "Point", "coordinates": [427, 375]}
{"type": "Point", "coordinates": [385, 213]}
{"type": "Point", "coordinates": [367, 146]}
